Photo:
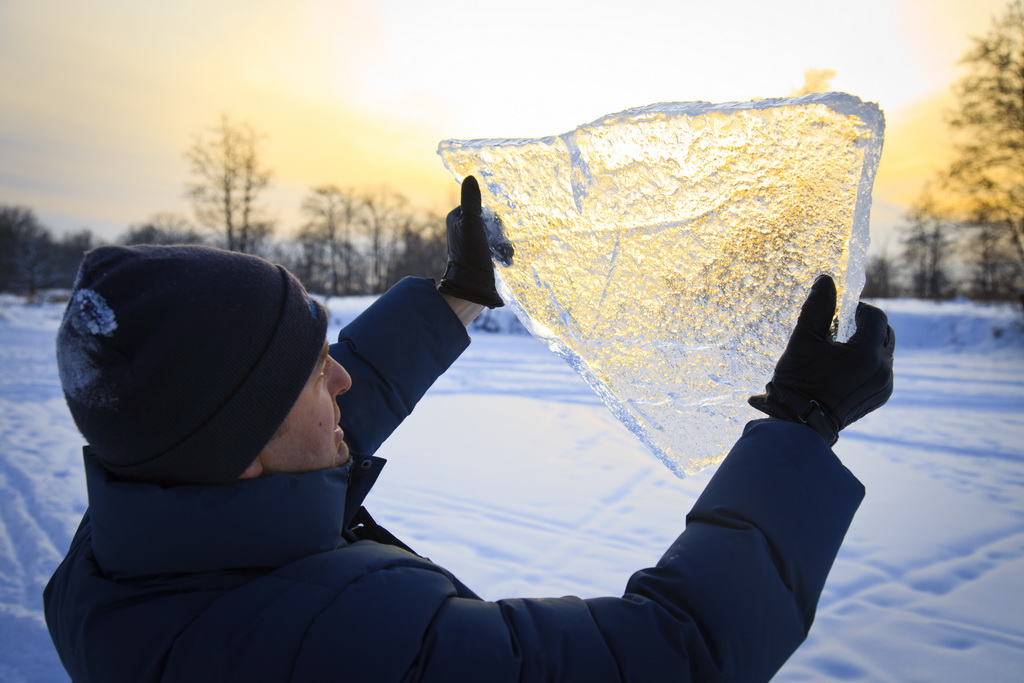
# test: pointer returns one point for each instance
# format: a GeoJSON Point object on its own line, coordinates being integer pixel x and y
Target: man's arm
{"type": "Point", "coordinates": [397, 348]}
{"type": "Point", "coordinates": [394, 351]}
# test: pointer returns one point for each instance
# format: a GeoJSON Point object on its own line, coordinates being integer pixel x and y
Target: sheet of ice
{"type": "Point", "coordinates": [664, 251]}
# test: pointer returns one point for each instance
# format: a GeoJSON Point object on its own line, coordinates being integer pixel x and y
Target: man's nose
{"type": "Point", "coordinates": [340, 380]}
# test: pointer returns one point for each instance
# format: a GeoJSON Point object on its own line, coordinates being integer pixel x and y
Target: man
{"type": "Point", "coordinates": [225, 538]}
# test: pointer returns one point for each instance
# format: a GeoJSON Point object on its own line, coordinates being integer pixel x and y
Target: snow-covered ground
{"type": "Point", "coordinates": [514, 476]}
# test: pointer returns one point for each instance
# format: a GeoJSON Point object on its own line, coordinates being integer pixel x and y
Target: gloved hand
{"type": "Point", "coordinates": [823, 383]}
{"type": "Point", "coordinates": [470, 273]}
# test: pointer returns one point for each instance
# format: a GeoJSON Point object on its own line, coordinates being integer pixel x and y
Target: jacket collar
{"type": "Point", "coordinates": [141, 529]}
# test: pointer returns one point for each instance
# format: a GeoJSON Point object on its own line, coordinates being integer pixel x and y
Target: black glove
{"type": "Point", "coordinates": [470, 274]}
{"type": "Point", "coordinates": [822, 383]}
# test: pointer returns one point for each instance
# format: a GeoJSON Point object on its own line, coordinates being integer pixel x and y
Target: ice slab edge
{"type": "Point", "coordinates": [664, 251]}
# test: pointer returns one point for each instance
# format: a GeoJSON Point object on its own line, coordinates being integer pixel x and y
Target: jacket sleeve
{"type": "Point", "coordinates": [730, 600]}
{"type": "Point", "coordinates": [394, 351]}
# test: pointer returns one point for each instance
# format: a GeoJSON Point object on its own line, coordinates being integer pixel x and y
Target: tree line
{"type": "Point", "coordinates": [374, 243]}
{"type": "Point", "coordinates": [964, 236]}
{"type": "Point", "coordinates": [351, 242]}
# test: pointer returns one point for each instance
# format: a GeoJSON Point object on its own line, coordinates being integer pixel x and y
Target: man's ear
{"type": "Point", "coordinates": [254, 470]}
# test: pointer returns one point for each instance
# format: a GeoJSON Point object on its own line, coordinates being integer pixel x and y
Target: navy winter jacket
{"type": "Point", "coordinates": [263, 580]}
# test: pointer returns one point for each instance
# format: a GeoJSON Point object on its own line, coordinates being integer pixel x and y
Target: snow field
{"type": "Point", "coordinates": [513, 475]}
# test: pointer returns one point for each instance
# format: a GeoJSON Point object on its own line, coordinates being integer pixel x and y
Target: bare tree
{"type": "Point", "coordinates": [69, 252]}
{"type": "Point", "coordinates": [327, 237]}
{"type": "Point", "coordinates": [384, 219]}
{"type": "Point", "coordinates": [26, 251]}
{"type": "Point", "coordinates": [993, 270]}
{"type": "Point", "coordinates": [880, 277]}
{"type": "Point", "coordinates": [162, 228]}
{"type": "Point", "coordinates": [228, 179]}
{"type": "Point", "coordinates": [927, 247]}
{"type": "Point", "coordinates": [422, 248]}
{"type": "Point", "coordinates": [304, 256]}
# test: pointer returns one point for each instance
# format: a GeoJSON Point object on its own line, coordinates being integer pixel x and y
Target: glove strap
{"type": "Point", "coordinates": [479, 293]}
{"type": "Point", "coordinates": [817, 418]}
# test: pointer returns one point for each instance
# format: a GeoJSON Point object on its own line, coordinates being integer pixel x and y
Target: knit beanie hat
{"type": "Point", "coordinates": [180, 363]}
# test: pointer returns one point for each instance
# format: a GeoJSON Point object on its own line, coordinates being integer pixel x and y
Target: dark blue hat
{"type": "Point", "coordinates": [180, 363]}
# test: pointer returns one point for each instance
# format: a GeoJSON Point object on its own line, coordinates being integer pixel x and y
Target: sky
{"type": "Point", "coordinates": [100, 100]}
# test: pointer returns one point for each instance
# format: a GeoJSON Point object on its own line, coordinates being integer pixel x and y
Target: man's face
{"type": "Point", "coordinates": [310, 438]}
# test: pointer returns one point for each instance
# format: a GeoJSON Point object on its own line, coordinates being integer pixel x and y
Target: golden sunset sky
{"type": "Point", "coordinates": [99, 100]}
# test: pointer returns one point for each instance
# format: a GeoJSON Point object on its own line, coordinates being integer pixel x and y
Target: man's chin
{"type": "Point", "coordinates": [343, 454]}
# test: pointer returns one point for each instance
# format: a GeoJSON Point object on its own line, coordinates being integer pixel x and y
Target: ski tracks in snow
{"type": "Point", "coordinates": [42, 491]}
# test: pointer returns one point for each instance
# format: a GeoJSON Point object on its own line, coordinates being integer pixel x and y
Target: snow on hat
{"type": "Point", "coordinates": [180, 363]}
